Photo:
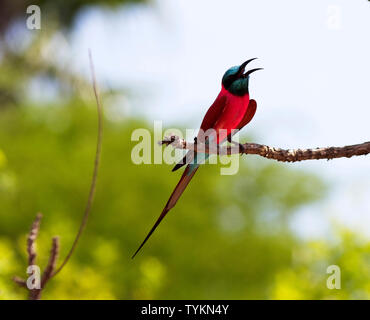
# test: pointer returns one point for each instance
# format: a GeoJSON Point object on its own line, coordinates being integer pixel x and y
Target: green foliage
{"type": "Point", "coordinates": [226, 238]}
{"type": "Point", "coordinates": [307, 278]}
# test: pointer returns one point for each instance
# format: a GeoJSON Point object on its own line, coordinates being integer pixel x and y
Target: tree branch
{"type": "Point", "coordinates": [283, 155]}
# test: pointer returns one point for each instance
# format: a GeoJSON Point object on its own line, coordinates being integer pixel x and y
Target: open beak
{"type": "Point", "coordinates": [242, 68]}
{"type": "Point", "coordinates": [251, 71]}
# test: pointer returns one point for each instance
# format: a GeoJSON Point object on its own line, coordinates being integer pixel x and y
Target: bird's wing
{"type": "Point", "coordinates": [249, 114]}
{"type": "Point", "coordinates": [213, 114]}
{"type": "Point", "coordinates": [229, 122]}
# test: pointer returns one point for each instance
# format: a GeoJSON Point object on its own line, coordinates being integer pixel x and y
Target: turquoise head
{"type": "Point", "coordinates": [236, 81]}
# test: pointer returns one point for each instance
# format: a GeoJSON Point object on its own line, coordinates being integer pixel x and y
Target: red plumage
{"type": "Point", "coordinates": [228, 112]}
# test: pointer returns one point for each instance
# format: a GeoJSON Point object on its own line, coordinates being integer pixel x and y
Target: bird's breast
{"type": "Point", "coordinates": [236, 108]}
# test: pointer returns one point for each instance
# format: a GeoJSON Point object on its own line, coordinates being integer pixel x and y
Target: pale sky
{"type": "Point", "coordinates": [314, 91]}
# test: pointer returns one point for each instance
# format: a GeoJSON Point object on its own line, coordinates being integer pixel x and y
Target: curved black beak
{"type": "Point", "coordinates": [243, 65]}
{"type": "Point", "coordinates": [251, 71]}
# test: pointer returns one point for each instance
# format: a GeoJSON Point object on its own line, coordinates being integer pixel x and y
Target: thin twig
{"type": "Point", "coordinates": [19, 281]}
{"type": "Point", "coordinates": [284, 155]}
{"type": "Point", "coordinates": [95, 173]}
{"type": "Point", "coordinates": [35, 293]}
{"type": "Point", "coordinates": [31, 245]}
{"type": "Point", "coordinates": [49, 272]}
{"type": "Point", "coordinates": [54, 252]}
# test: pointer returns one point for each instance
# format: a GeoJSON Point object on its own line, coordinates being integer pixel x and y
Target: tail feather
{"type": "Point", "coordinates": [179, 165]}
{"type": "Point", "coordinates": [184, 161]}
{"type": "Point", "coordinates": [164, 212]}
{"type": "Point", "coordinates": [180, 187]}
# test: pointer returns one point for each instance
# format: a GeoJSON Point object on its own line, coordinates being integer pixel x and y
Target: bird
{"type": "Point", "coordinates": [232, 110]}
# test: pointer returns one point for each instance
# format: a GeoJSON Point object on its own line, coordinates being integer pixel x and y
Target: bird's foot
{"type": "Point", "coordinates": [242, 149]}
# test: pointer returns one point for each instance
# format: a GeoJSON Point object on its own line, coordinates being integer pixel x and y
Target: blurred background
{"type": "Point", "coordinates": [269, 232]}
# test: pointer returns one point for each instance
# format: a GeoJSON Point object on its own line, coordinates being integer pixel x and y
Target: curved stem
{"type": "Point", "coordinates": [95, 173]}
